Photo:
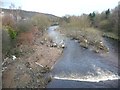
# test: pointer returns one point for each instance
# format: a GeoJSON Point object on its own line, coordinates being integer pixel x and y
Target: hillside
{"type": "Point", "coordinates": [28, 14]}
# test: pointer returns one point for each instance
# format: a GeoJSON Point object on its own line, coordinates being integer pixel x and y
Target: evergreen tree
{"type": "Point", "coordinates": [107, 12]}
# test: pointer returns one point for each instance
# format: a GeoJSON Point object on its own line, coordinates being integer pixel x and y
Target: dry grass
{"type": "Point", "coordinates": [41, 21]}
{"type": "Point", "coordinates": [111, 35]}
{"type": "Point", "coordinates": [87, 37]}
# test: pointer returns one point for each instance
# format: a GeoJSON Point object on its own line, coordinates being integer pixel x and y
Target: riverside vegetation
{"type": "Point", "coordinates": [27, 53]}
{"type": "Point", "coordinates": [89, 29]}
{"type": "Point", "coordinates": [27, 56]}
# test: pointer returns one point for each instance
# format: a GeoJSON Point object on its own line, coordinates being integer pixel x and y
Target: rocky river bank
{"type": "Point", "coordinates": [30, 69]}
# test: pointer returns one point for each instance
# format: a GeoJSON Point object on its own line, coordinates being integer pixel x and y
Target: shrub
{"type": "Point", "coordinates": [80, 22]}
{"type": "Point", "coordinates": [12, 33]}
{"type": "Point", "coordinates": [6, 44]}
{"type": "Point", "coordinates": [105, 25]}
{"type": "Point", "coordinates": [24, 26]}
{"type": "Point", "coordinates": [9, 36]}
{"type": "Point", "coordinates": [41, 21]}
{"type": "Point", "coordinates": [8, 20]}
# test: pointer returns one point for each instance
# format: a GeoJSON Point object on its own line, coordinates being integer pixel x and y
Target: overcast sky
{"type": "Point", "coordinates": [63, 7]}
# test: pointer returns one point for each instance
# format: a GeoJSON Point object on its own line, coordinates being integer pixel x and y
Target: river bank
{"type": "Point", "coordinates": [30, 69]}
{"type": "Point", "coordinates": [76, 64]}
{"type": "Point", "coordinates": [81, 68]}
{"type": "Point", "coordinates": [89, 38]}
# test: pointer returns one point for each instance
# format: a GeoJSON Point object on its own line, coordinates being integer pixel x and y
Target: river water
{"type": "Point", "coordinates": [82, 68]}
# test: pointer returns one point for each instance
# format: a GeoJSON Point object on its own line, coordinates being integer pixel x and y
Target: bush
{"type": "Point", "coordinates": [8, 20]}
{"type": "Point", "coordinates": [105, 25]}
{"type": "Point", "coordinates": [80, 22]}
{"type": "Point", "coordinates": [6, 44]}
{"type": "Point", "coordinates": [12, 33]}
{"type": "Point", "coordinates": [41, 21]}
{"type": "Point", "coordinates": [24, 26]}
{"type": "Point", "coordinates": [9, 36]}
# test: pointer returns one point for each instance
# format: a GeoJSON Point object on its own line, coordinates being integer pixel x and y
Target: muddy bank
{"type": "Point", "coordinates": [30, 69]}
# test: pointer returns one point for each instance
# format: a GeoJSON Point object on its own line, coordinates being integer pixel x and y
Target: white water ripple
{"type": "Point", "coordinates": [102, 75]}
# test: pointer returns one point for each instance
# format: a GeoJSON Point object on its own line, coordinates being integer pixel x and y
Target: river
{"type": "Point", "coordinates": [83, 68]}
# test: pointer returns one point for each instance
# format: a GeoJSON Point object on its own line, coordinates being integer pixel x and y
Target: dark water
{"type": "Point", "coordinates": [82, 68]}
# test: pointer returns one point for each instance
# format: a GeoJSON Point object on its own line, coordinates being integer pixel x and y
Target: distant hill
{"type": "Point", "coordinates": [28, 14]}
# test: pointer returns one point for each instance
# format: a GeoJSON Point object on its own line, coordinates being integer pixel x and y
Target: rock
{"type": "Point", "coordinates": [13, 57]}
{"type": "Point", "coordinates": [54, 45]}
{"type": "Point", "coordinates": [63, 45]}
{"type": "Point", "coordinates": [106, 49]}
{"type": "Point", "coordinates": [85, 40]}
{"type": "Point", "coordinates": [84, 45]}
{"type": "Point", "coordinates": [49, 79]}
{"type": "Point", "coordinates": [76, 41]}
{"type": "Point", "coordinates": [58, 46]}
{"type": "Point", "coordinates": [3, 69]}
{"type": "Point", "coordinates": [61, 42]}
{"type": "Point", "coordinates": [101, 42]}
{"type": "Point", "coordinates": [97, 51]}
{"type": "Point", "coordinates": [41, 42]}
{"type": "Point", "coordinates": [48, 45]}
{"type": "Point", "coordinates": [51, 45]}
{"type": "Point", "coordinates": [27, 64]}
{"type": "Point", "coordinates": [45, 39]}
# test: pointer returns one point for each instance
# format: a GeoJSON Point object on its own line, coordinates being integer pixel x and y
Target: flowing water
{"type": "Point", "coordinates": [82, 68]}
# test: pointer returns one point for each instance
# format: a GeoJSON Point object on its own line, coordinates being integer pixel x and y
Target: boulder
{"type": "Point", "coordinates": [63, 45]}
{"type": "Point", "coordinates": [42, 42]}
{"type": "Point", "coordinates": [54, 45]}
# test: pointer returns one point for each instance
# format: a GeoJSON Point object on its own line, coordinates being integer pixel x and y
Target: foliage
{"type": "Point", "coordinates": [12, 33]}
{"type": "Point", "coordinates": [107, 20]}
{"type": "Point", "coordinates": [92, 17]}
{"type": "Point", "coordinates": [105, 25]}
{"type": "Point", "coordinates": [81, 22]}
{"type": "Point", "coordinates": [8, 20]}
{"type": "Point", "coordinates": [6, 43]}
{"type": "Point", "coordinates": [64, 19]}
{"type": "Point", "coordinates": [41, 21]}
{"type": "Point", "coordinates": [107, 12]}
{"type": "Point", "coordinates": [24, 26]}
